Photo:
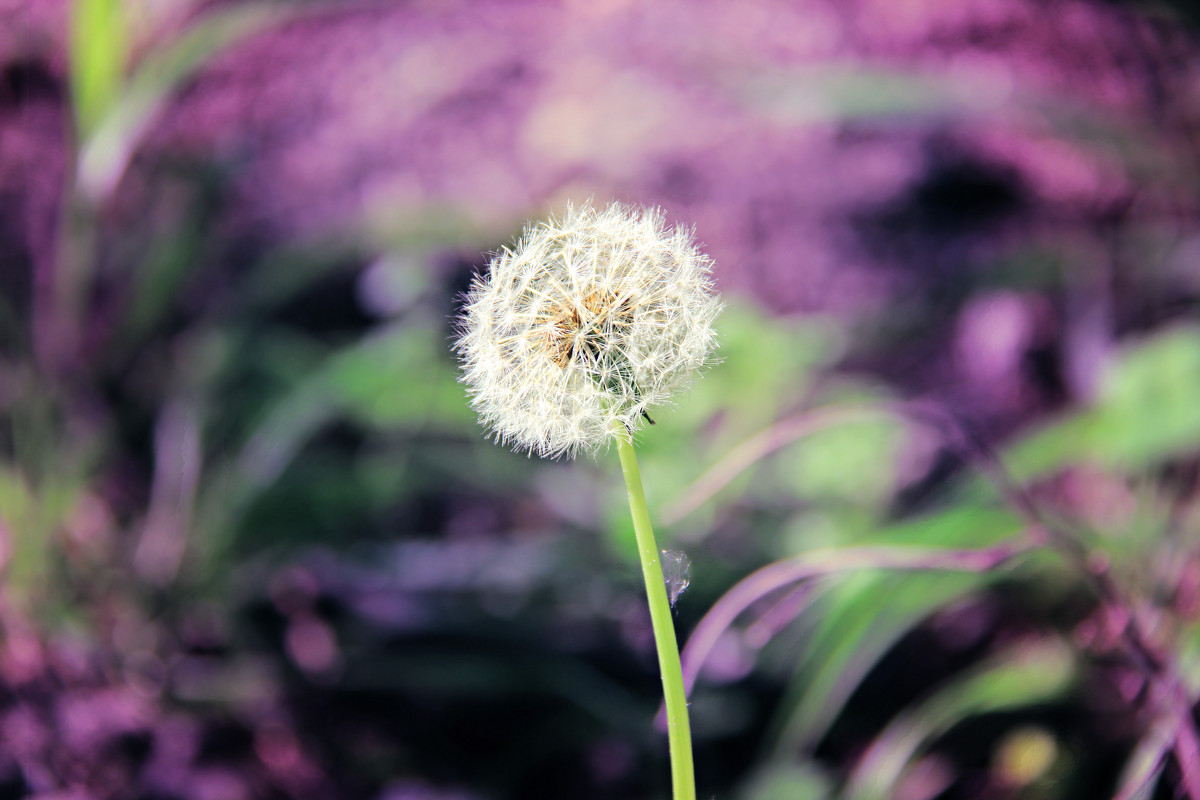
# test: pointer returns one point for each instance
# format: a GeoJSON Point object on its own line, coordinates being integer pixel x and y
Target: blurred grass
{"type": "Point", "coordinates": [1026, 675]}
{"type": "Point", "coordinates": [98, 60]}
{"type": "Point", "coordinates": [1145, 412]}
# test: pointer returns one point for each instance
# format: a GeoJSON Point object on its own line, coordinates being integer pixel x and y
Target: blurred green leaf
{"type": "Point", "coordinates": [31, 520]}
{"type": "Point", "coordinates": [98, 54]}
{"type": "Point", "coordinates": [370, 381]}
{"type": "Point", "coordinates": [397, 379]}
{"type": "Point", "coordinates": [787, 782]}
{"type": "Point", "coordinates": [858, 620]}
{"type": "Point", "coordinates": [1028, 674]}
{"type": "Point", "coordinates": [861, 616]}
{"type": "Point", "coordinates": [400, 376]}
{"type": "Point", "coordinates": [1146, 411]}
{"type": "Point", "coordinates": [159, 274]}
{"type": "Point", "coordinates": [120, 122]}
{"type": "Point", "coordinates": [853, 462]}
{"type": "Point", "coordinates": [767, 366]}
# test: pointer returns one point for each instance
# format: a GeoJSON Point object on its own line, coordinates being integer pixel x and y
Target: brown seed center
{"type": "Point", "coordinates": [579, 332]}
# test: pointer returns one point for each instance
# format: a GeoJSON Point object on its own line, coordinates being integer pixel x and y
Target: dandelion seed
{"type": "Point", "coordinates": [585, 324]}
{"type": "Point", "coordinates": [677, 573]}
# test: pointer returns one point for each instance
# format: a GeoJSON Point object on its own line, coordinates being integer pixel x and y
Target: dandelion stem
{"type": "Point", "coordinates": [679, 734]}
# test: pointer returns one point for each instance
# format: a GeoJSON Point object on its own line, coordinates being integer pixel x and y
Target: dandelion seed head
{"type": "Point", "coordinates": [583, 325]}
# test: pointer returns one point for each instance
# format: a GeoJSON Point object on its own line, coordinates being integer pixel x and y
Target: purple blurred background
{"type": "Point", "coordinates": [835, 157]}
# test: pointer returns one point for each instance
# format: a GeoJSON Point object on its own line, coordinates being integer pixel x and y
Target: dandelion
{"type": "Point", "coordinates": [568, 341]}
{"type": "Point", "coordinates": [586, 324]}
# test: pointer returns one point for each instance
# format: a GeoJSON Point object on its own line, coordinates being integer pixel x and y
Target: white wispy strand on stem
{"type": "Point", "coordinates": [585, 324]}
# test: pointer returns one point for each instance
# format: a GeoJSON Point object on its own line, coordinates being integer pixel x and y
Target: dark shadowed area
{"type": "Point", "coordinates": [937, 505]}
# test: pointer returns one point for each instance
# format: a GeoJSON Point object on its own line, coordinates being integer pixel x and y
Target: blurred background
{"type": "Point", "coordinates": [255, 544]}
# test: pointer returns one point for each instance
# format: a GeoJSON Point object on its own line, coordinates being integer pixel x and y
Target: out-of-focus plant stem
{"type": "Point", "coordinates": [98, 55]}
{"type": "Point", "coordinates": [679, 734]}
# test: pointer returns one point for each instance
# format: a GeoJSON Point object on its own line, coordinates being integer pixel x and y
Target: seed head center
{"type": "Point", "coordinates": [585, 330]}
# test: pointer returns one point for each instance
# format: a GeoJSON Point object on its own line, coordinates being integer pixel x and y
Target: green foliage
{"type": "Point", "coordinates": [1145, 412]}
{"type": "Point", "coordinates": [114, 115]}
{"type": "Point", "coordinates": [98, 59]}
{"type": "Point", "coordinates": [1026, 675]}
{"type": "Point", "coordinates": [788, 781]}
{"type": "Point", "coordinates": [860, 617]}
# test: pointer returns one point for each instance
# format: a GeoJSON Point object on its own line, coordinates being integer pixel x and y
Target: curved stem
{"type": "Point", "coordinates": [679, 734]}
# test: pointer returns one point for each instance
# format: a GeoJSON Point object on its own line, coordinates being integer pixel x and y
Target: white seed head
{"type": "Point", "coordinates": [585, 324]}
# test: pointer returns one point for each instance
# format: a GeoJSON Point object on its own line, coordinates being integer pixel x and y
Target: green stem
{"type": "Point", "coordinates": [679, 734]}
